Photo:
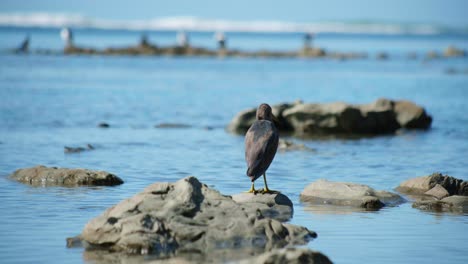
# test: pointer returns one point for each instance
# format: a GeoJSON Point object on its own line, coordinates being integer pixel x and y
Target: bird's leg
{"type": "Point", "coordinates": [266, 189]}
{"type": "Point", "coordinates": [252, 189]}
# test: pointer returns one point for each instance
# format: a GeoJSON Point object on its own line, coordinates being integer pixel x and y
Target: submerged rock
{"type": "Point", "coordinates": [286, 145]}
{"type": "Point", "coordinates": [41, 175]}
{"type": "Point", "coordinates": [172, 125]}
{"type": "Point", "coordinates": [290, 256]}
{"type": "Point", "coordinates": [379, 117]}
{"type": "Point", "coordinates": [77, 149]}
{"type": "Point", "coordinates": [348, 194]}
{"type": "Point", "coordinates": [455, 204]}
{"type": "Point", "coordinates": [421, 185]}
{"type": "Point", "coordinates": [452, 51]}
{"type": "Point", "coordinates": [277, 205]}
{"type": "Point", "coordinates": [187, 216]}
{"type": "Point", "coordinates": [103, 125]}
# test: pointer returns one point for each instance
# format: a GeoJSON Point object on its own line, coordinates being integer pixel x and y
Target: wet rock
{"type": "Point", "coordinates": [411, 116]}
{"type": "Point", "coordinates": [277, 205]}
{"type": "Point", "coordinates": [438, 192]}
{"type": "Point", "coordinates": [172, 125]}
{"type": "Point", "coordinates": [432, 55]}
{"type": "Point", "coordinates": [45, 176]}
{"type": "Point", "coordinates": [167, 219]}
{"type": "Point", "coordinates": [348, 194]}
{"type": "Point", "coordinates": [452, 51]}
{"type": "Point", "coordinates": [77, 149]}
{"type": "Point", "coordinates": [382, 56]}
{"type": "Point", "coordinates": [455, 204]}
{"type": "Point", "coordinates": [420, 185]}
{"type": "Point", "coordinates": [289, 255]}
{"type": "Point", "coordinates": [379, 117]}
{"type": "Point", "coordinates": [103, 125]}
{"type": "Point", "coordinates": [287, 145]}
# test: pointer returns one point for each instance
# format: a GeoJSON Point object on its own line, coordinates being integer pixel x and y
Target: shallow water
{"type": "Point", "coordinates": [48, 102]}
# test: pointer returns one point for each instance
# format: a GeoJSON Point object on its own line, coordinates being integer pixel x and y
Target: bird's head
{"type": "Point", "coordinates": [264, 112]}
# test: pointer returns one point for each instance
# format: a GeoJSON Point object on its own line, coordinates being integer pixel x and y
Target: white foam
{"type": "Point", "coordinates": [199, 24]}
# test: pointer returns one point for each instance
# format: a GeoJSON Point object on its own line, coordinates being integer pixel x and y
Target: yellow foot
{"type": "Point", "coordinates": [252, 191]}
{"type": "Point", "coordinates": [266, 190]}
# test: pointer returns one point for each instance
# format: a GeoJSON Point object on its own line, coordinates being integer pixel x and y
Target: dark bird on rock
{"type": "Point", "coordinates": [261, 143]}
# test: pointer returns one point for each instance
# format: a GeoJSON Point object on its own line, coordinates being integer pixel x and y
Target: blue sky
{"type": "Point", "coordinates": [442, 12]}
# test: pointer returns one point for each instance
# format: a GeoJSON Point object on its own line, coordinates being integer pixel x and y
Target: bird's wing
{"type": "Point", "coordinates": [261, 142]}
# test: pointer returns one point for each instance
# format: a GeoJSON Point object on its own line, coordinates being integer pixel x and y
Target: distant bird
{"type": "Point", "coordinates": [261, 143]}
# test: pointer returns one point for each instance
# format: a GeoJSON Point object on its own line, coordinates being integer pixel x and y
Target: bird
{"type": "Point", "coordinates": [261, 143]}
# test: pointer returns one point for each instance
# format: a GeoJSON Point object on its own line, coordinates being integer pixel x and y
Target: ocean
{"type": "Point", "coordinates": [51, 101]}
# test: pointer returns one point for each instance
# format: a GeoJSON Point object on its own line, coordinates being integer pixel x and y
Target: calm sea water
{"type": "Point", "coordinates": [48, 102]}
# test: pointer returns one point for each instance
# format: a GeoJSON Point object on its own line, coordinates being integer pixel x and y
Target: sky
{"type": "Point", "coordinates": [441, 12]}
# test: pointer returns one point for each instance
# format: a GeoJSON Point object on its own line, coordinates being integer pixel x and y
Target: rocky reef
{"type": "Point", "coordinates": [53, 176]}
{"type": "Point", "coordinates": [380, 117]}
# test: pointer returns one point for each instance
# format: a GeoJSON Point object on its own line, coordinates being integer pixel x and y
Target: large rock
{"type": "Point", "coordinates": [44, 176]}
{"type": "Point", "coordinates": [289, 256]}
{"type": "Point", "coordinates": [421, 185]}
{"type": "Point", "coordinates": [348, 194]}
{"type": "Point", "coordinates": [379, 117]}
{"type": "Point", "coordinates": [276, 205]}
{"type": "Point", "coordinates": [187, 216]}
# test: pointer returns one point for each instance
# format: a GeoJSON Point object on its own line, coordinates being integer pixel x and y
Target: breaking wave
{"type": "Point", "coordinates": [200, 24]}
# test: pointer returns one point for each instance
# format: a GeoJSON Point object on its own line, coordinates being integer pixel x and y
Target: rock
{"type": "Point", "coordinates": [277, 206]}
{"type": "Point", "coordinates": [290, 256]}
{"type": "Point", "coordinates": [382, 56]}
{"type": "Point", "coordinates": [44, 176]}
{"type": "Point", "coordinates": [432, 55]}
{"type": "Point", "coordinates": [452, 51]}
{"type": "Point", "coordinates": [410, 115]}
{"type": "Point", "coordinates": [286, 145]}
{"type": "Point", "coordinates": [167, 219]}
{"type": "Point", "coordinates": [455, 203]}
{"type": "Point", "coordinates": [77, 149]}
{"type": "Point", "coordinates": [379, 117]}
{"type": "Point", "coordinates": [348, 194]}
{"type": "Point", "coordinates": [103, 125]}
{"type": "Point", "coordinates": [172, 125]}
{"type": "Point", "coordinates": [420, 185]}
{"type": "Point", "coordinates": [438, 192]}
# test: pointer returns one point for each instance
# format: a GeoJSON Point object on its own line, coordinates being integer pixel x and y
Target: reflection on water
{"type": "Point", "coordinates": [48, 102]}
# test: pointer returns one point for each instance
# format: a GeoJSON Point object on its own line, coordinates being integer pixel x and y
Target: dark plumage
{"type": "Point", "coordinates": [261, 143]}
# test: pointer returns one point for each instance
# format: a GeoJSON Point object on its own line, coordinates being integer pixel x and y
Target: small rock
{"type": "Point", "coordinates": [452, 51]}
{"type": "Point", "coordinates": [286, 145]}
{"type": "Point", "coordinates": [290, 256]}
{"type": "Point", "coordinates": [172, 125]}
{"type": "Point", "coordinates": [438, 192]}
{"type": "Point", "coordinates": [348, 194]}
{"type": "Point", "coordinates": [432, 55]}
{"type": "Point", "coordinates": [103, 125]}
{"type": "Point", "coordinates": [382, 56]}
{"type": "Point", "coordinates": [277, 206]}
{"type": "Point", "coordinates": [44, 176]}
